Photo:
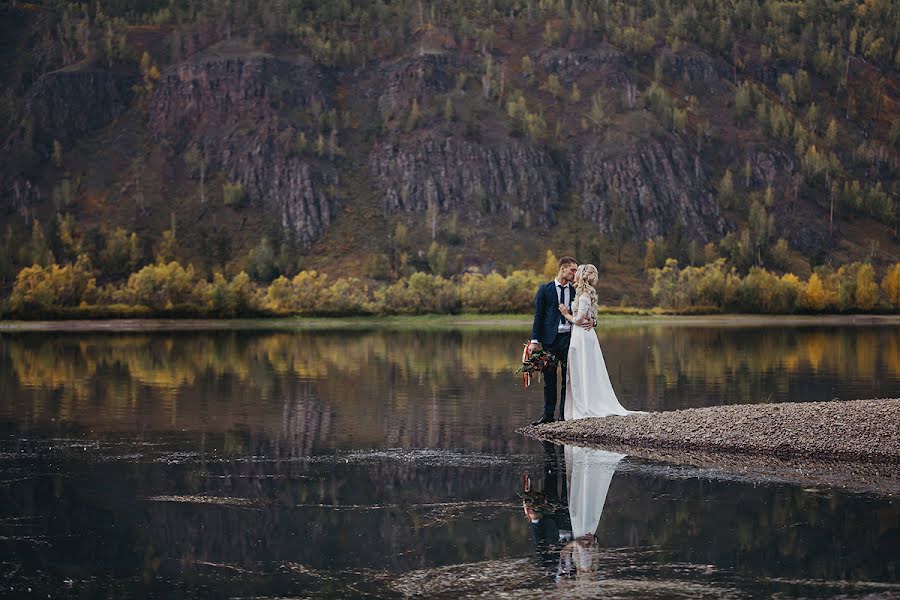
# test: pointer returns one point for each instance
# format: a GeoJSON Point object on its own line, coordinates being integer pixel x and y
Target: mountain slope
{"type": "Point", "coordinates": [338, 144]}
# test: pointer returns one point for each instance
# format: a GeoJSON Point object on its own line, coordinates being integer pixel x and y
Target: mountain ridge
{"type": "Point", "coordinates": [593, 145]}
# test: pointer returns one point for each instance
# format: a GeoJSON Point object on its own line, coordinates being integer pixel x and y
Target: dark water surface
{"type": "Point", "coordinates": [264, 464]}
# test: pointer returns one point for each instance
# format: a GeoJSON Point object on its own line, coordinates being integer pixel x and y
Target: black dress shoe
{"type": "Point", "coordinates": [542, 420]}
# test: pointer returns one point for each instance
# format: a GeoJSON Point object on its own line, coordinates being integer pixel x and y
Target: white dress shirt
{"type": "Point", "coordinates": [564, 325]}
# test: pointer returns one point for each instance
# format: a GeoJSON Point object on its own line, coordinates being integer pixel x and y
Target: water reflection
{"type": "Point", "coordinates": [546, 507]}
{"type": "Point", "coordinates": [565, 514]}
{"type": "Point", "coordinates": [330, 464]}
{"type": "Point", "coordinates": [756, 530]}
{"type": "Point", "coordinates": [311, 383]}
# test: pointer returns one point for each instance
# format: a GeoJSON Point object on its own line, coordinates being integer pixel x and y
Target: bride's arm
{"type": "Point", "coordinates": [568, 316]}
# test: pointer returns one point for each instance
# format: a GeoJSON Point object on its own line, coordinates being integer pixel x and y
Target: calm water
{"type": "Point", "coordinates": [385, 464]}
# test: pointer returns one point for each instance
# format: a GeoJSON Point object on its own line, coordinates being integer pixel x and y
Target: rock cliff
{"type": "Point", "coordinates": [64, 105]}
{"type": "Point", "coordinates": [694, 66]}
{"type": "Point", "coordinates": [656, 184]}
{"type": "Point", "coordinates": [605, 60]}
{"type": "Point", "coordinates": [419, 77]}
{"type": "Point", "coordinates": [238, 111]}
{"type": "Point", "coordinates": [513, 179]}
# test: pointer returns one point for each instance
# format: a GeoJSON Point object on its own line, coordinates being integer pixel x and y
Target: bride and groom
{"type": "Point", "coordinates": [569, 335]}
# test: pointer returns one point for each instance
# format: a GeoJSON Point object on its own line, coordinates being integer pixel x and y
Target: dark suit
{"type": "Point", "coordinates": [544, 329]}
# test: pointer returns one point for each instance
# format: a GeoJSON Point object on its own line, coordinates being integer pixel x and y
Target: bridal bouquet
{"type": "Point", "coordinates": [537, 362]}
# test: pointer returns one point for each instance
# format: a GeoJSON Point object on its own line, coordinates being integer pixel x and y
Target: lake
{"type": "Point", "coordinates": [368, 461]}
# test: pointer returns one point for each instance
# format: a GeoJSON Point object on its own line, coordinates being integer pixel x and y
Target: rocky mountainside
{"type": "Point", "coordinates": [491, 152]}
{"type": "Point", "coordinates": [226, 103]}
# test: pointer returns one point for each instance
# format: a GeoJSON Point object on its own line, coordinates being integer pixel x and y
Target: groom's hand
{"type": "Point", "coordinates": [532, 347]}
{"type": "Point", "coordinates": [588, 325]}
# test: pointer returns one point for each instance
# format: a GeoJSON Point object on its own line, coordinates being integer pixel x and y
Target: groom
{"type": "Point", "coordinates": [552, 332]}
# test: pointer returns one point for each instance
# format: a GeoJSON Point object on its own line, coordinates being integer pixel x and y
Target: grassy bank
{"type": "Point", "coordinates": [502, 322]}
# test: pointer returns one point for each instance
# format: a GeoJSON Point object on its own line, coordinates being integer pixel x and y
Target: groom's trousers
{"type": "Point", "coordinates": [560, 349]}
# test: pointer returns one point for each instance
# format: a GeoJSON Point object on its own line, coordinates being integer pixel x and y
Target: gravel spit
{"type": "Point", "coordinates": [866, 431]}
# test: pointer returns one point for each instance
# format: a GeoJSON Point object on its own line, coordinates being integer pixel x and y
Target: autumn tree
{"type": "Point", "coordinates": [552, 85]}
{"type": "Point", "coordinates": [891, 285]}
{"type": "Point", "coordinates": [812, 296]}
{"type": "Point", "coordinates": [40, 246]}
{"type": "Point", "coordinates": [551, 265]}
{"type": "Point", "coordinates": [726, 189]}
{"type": "Point", "coordinates": [866, 289]}
{"type": "Point", "coordinates": [162, 286]}
{"type": "Point", "coordinates": [39, 288]}
{"type": "Point", "coordinates": [121, 253]}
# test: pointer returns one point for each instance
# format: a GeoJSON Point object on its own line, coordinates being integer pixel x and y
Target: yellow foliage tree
{"type": "Point", "coordinates": [161, 286]}
{"type": "Point", "coordinates": [866, 289]}
{"type": "Point", "coordinates": [891, 285]}
{"type": "Point", "coordinates": [480, 293]}
{"type": "Point", "coordinates": [813, 296]}
{"type": "Point", "coordinates": [279, 295]}
{"type": "Point", "coordinates": [419, 294]}
{"type": "Point", "coordinates": [790, 290]}
{"type": "Point", "coordinates": [519, 291]}
{"type": "Point", "coordinates": [349, 296]}
{"type": "Point", "coordinates": [43, 288]}
{"type": "Point", "coordinates": [551, 265]}
{"type": "Point", "coordinates": [310, 290]}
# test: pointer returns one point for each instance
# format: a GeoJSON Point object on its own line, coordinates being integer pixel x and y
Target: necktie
{"type": "Point", "coordinates": [562, 300]}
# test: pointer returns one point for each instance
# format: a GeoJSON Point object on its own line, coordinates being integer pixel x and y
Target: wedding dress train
{"type": "Point", "coordinates": [589, 392]}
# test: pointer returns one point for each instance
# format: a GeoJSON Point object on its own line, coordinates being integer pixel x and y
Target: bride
{"type": "Point", "coordinates": [588, 388]}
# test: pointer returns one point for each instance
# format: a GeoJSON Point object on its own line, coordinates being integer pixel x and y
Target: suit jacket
{"type": "Point", "coordinates": [546, 312]}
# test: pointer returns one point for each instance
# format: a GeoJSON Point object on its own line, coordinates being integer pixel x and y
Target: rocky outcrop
{"type": "Point", "coordinates": [63, 105]}
{"type": "Point", "coordinates": [655, 184]}
{"type": "Point", "coordinates": [210, 92]}
{"type": "Point", "coordinates": [513, 178]}
{"type": "Point", "coordinates": [299, 189]}
{"type": "Point", "coordinates": [230, 107]}
{"type": "Point", "coordinates": [420, 78]}
{"type": "Point", "coordinates": [605, 60]}
{"type": "Point", "coordinates": [24, 196]}
{"type": "Point", "coordinates": [769, 166]}
{"type": "Point", "coordinates": [693, 65]}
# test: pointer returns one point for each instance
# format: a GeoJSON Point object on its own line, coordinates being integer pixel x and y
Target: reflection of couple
{"type": "Point", "coordinates": [566, 535]}
{"type": "Point", "coordinates": [571, 338]}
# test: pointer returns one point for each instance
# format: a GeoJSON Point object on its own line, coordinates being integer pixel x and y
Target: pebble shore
{"type": "Point", "coordinates": [866, 431]}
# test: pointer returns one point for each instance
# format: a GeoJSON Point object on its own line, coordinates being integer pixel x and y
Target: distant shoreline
{"type": "Point", "coordinates": [438, 322]}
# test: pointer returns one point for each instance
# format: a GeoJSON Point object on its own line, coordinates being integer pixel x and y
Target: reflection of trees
{"type": "Point", "coordinates": [705, 366]}
{"type": "Point", "coordinates": [412, 388]}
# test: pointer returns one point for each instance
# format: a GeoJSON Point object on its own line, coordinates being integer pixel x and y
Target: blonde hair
{"type": "Point", "coordinates": [585, 279]}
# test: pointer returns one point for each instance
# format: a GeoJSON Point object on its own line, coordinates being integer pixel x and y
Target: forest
{"type": "Point", "coordinates": [372, 157]}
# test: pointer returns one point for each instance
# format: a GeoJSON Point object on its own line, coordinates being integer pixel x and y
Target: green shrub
{"type": "Point", "coordinates": [40, 289]}
{"type": "Point", "coordinates": [162, 286]}
{"type": "Point", "coordinates": [233, 194]}
{"type": "Point", "coordinates": [419, 294]}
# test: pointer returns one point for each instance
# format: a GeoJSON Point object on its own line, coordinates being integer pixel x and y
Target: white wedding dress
{"type": "Point", "coordinates": [589, 392]}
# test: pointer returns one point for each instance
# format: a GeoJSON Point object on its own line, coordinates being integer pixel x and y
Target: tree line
{"type": "Point", "coordinates": [171, 289]}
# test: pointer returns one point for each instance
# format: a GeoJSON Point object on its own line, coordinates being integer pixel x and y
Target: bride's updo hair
{"type": "Point", "coordinates": [585, 279]}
